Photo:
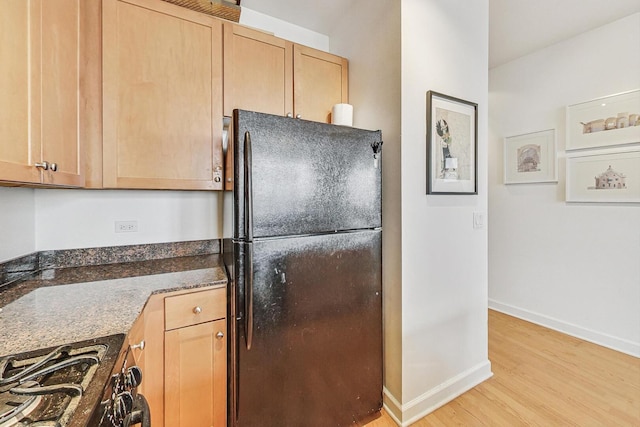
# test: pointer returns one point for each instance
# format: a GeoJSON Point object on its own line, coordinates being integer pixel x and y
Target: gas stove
{"type": "Point", "coordinates": [60, 386]}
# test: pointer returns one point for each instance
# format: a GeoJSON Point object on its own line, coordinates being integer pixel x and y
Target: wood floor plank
{"type": "Point", "coordinates": [543, 378]}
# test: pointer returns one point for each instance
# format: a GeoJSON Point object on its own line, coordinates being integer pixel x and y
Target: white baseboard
{"type": "Point", "coordinates": [609, 341]}
{"type": "Point", "coordinates": [410, 412]}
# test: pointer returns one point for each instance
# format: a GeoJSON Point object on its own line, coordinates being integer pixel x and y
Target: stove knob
{"type": "Point", "coordinates": [134, 376]}
{"type": "Point", "coordinates": [123, 405]}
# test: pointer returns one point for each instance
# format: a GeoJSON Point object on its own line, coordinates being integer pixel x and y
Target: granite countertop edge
{"type": "Point", "coordinates": [61, 306]}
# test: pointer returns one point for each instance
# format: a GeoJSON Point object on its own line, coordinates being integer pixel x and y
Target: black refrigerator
{"type": "Point", "coordinates": [305, 295]}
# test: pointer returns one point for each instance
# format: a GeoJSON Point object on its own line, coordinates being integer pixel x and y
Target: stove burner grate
{"type": "Point", "coordinates": [44, 390]}
{"type": "Point", "coordinates": [22, 407]}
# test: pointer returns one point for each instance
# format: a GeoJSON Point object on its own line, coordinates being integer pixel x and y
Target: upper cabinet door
{"type": "Point", "coordinates": [162, 88]}
{"type": "Point", "coordinates": [60, 80]}
{"type": "Point", "coordinates": [320, 80]}
{"type": "Point", "coordinates": [257, 71]}
{"type": "Point", "coordinates": [39, 83]}
{"type": "Point", "coordinates": [15, 153]}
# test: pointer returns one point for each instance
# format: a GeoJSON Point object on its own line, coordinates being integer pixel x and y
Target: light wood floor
{"type": "Point", "coordinates": [544, 378]}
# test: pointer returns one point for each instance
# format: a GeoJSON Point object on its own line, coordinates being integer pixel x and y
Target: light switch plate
{"type": "Point", "coordinates": [478, 220]}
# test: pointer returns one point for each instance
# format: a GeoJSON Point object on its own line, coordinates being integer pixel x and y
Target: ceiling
{"type": "Point", "coordinates": [516, 27]}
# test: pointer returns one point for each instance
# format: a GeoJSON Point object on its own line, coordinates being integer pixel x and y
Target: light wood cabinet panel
{"type": "Point", "coordinates": [60, 80]}
{"type": "Point", "coordinates": [15, 159]}
{"type": "Point", "coordinates": [162, 88]}
{"type": "Point", "coordinates": [195, 375]}
{"type": "Point", "coordinates": [39, 82]}
{"type": "Point", "coordinates": [175, 363]}
{"type": "Point", "coordinates": [136, 342]}
{"type": "Point", "coordinates": [152, 386]}
{"type": "Point", "coordinates": [320, 82]}
{"type": "Point", "coordinates": [258, 71]}
{"type": "Point", "coordinates": [194, 307]}
{"type": "Point", "coordinates": [267, 74]}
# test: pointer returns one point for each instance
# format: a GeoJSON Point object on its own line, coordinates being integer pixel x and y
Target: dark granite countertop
{"type": "Point", "coordinates": [55, 306]}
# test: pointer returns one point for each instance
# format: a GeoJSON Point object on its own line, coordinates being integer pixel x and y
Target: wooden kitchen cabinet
{"type": "Point", "coordinates": [146, 339]}
{"type": "Point", "coordinates": [267, 74]}
{"type": "Point", "coordinates": [162, 96]}
{"type": "Point", "coordinates": [136, 341]}
{"type": "Point", "coordinates": [195, 359]}
{"type": "Point", "coordinates": [258, 71]}
{"type": "Point", "coordinates": [39, 83]}
{"type": "Point", "coordinates": [184, 357]}
{"type": "Point", "coordinates": [195, 379]}
{"type": "Point", "coordinates": [320, 80]}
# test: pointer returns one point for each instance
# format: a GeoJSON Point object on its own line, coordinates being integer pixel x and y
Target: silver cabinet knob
{"type": "Point", "coordinates": [54, 166]}
{"type": "Point", "coordinates": [197, 310]}
{"type": "Point", "coordinates": [298, 116]}
{"type": "Point", "coordinates": [219, 335]}
{"type": "Point", "coordinates": [290, 115]}
{"type": "Point", "coordinates": [140, 345]}
{"type": "Point", "coordinates": [217, 179]}
{"type": "Point", "coordinates": [44, 165]}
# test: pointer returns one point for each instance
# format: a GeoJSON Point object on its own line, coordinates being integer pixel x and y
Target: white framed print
{"type": "Point", "coordinates": [604, 176]}
{"type": "Point", "coordinates": [531, 158]}
{"type": "Point", "coordinates": [604, 122]}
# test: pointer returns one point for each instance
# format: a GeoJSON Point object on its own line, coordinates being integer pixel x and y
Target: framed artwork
{"type": "Point", "coordinates": [604, 176]}
{"type": "Point", "coordinates": [531, 158]}
{"type": "Point", "coordinates": [452, 145]}
{"type": "Point", "coordinates": [602, 122]}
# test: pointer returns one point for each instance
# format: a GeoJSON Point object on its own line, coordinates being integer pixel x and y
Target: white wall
{"type": "Point", "coordinates": [67, 219]}
{"type": "Point", "coordinates": [546, 263]}
{"type": "Point", "coordinates": [17, 223]}
{"type": "Point", "coordinates": [444, 259]}
{"type": "Point", "coordinates": [283, 29]}
{"type": "Point", "coordinates": [35, 220]}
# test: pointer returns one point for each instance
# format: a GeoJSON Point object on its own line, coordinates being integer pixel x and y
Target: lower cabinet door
{"type": "Point", "coordinates": [195, 375]}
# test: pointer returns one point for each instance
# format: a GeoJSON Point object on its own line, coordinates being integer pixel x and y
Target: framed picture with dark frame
{"type": "Point", "coordinates": [452, 145]}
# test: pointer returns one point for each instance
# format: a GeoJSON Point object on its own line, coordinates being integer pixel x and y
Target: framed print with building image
{"type": "Point", "coordinates": [604, 176]}
{"type": "Point", "coordinates": [531, 158]}
{"type": "Point", "coordinates": [603, 122]}
{"type": "Point", "coordinates": [452, 145]}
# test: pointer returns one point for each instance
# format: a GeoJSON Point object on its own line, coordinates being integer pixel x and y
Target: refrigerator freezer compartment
{"type": "Point", "coordinates": [307, 177]}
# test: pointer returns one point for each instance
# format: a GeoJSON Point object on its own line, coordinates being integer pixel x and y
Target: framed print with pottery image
{"type": "Point", "coordinates": [604, 176]}
{"type": "Point", "coordinates": [452, 145]}
{"type": "Point", "coordinates": [531, 158]}
{"type": "Point", "coordinates": [603, 122]}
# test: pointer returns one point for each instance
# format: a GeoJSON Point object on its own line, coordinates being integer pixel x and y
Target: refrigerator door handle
{"type": "Point", "coordinates": [248, 203]}
{"type": "Point", "coordinates": [248, 189]}
{"type": "Point", "coordinates": [248, 296]}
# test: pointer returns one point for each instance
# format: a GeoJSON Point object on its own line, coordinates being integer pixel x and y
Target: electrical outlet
{"type": "Point", "coordinates": [126, 226]}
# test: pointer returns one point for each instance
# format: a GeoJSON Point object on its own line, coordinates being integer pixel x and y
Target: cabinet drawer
{"type": "Point", "coordinates": [193, 308]}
